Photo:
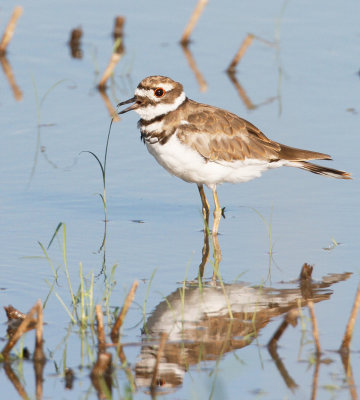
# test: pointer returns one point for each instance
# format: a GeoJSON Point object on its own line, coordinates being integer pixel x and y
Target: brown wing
{"type": "Point", "coordinates": [220, 135]}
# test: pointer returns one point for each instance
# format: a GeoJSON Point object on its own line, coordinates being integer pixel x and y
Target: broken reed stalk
{"type": "Point", "coordinates": [104, 360]}
{"type": "Point", "coordinates": [100, 327]}
{"type": "Point", "coordinates": [115, 58]}
{"type": "Point", "coordinates": [193, 21]}
{"type": "Point", "coordinates": [238, 56]}
{"type": "Point", "coordinates": [118, 31]}
{"type": "Point", "coordinates": [103, 365]}
{"type": "Point", "coordinates": [120, 319]}
{"type": "Point", "coordinates": [315, 330]}
{"type": "Point", "coordinates": [39, 352]}
{"type": "Point", "coordinates": [75, 43]}
{"type": "Point", "coordinates": [10, 29]}
{"type": "Point", "coordinates": [351, 323]}
{"type": "Point", "coordinates": [23, 328]}
{"type": "Point", "coordinates": [164, 336]}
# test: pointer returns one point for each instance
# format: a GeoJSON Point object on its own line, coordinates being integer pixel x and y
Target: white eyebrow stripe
{"type": "Point", "coordinates": [166, 86]}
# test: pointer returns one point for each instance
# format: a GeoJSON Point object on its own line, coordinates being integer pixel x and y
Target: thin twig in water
{"type": "Point", "coordinates": [351, 323]}
{"type": "Point", "coordinates": [193, 20]}
{"type": "Point", "coordinates": [100, 327]}
{"type": "Point", "coordinates": [10, 29]}
{"type": "Point", "coordinates": [120, 319]}
{"type": "Point", "coordinates": [39, 352]}
{"type": "Point", "coordinates": [240, 53]}
{"type": "Point", "coordinates": [115, 58]}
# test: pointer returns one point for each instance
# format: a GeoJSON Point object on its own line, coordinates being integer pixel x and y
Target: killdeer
{"type": "Point", "coordinates": [207, 145]}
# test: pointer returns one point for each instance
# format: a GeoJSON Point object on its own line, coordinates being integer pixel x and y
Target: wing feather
{"type": "Point", "coordinates": [219, 135]}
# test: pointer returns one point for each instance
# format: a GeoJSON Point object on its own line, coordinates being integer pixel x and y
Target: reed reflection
{"type": "Point", "coordinates": [17, 93]}
{"type": "Point", "coordinates": [192, 64]}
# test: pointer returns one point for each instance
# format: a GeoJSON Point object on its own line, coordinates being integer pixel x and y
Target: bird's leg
{"type": "Point", "coordinates": [217, 212]}
{"type": "Point", "coordinates": [217, 257]}
{"type": "Point", "coordinates": [205, 253]}
{"type": "Point", "coordinates": [205, 206]}
{"type": "Point", "coordinates": [217, 250]}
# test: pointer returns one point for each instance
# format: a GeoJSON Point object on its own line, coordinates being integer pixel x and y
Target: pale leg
{"type": "Point", "coordinates": [205, 206]}
{"type": "Point", "coordinates": [217, 212]}
{"type": "Point", "coordinates": [217, 250]}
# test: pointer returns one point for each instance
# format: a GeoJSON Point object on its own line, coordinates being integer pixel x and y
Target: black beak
{"type": "Point", "coordinates": [132, 107]}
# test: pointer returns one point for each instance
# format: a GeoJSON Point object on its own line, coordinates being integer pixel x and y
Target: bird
{"type": "Point", "coordinates": [207, 145]}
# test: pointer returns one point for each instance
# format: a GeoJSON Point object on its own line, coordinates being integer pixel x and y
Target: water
{"type": "Point", "coordinates": [306, 95]}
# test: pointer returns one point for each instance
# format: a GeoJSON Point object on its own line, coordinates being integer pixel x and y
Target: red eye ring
{"type": "Point", "coordinates": [159, 92]}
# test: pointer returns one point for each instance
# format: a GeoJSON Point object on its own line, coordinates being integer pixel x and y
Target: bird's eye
{"type": "Point", "coordinates": [159, 92]}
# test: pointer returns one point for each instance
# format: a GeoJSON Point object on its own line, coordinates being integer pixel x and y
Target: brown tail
{"type": "Point", "coordinates": [318, 169]}
{"type": "Point", "coordinates": [294, 154]}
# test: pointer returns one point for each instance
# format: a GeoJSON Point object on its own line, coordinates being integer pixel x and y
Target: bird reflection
{"type": "Point", "coordinates": [203, 323]}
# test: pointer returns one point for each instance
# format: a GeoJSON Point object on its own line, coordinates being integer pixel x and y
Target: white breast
{"type": "Point", "coordinates": [187, 164]}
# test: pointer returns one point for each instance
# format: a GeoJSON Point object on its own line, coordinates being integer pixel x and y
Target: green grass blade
{"type": "Point", "coordinates": [54, 235]}
{"type": "Point", "coordinates": [98, 160]}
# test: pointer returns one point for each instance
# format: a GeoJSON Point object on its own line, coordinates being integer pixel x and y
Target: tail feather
{"type": "Point", "coordinates": [318, 169]}
{"type": "Point", "coordinates": [294, 154]}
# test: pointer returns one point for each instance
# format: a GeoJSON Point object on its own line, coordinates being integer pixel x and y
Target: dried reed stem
{"type": "Point", "coordinates": [120, 319]}
{"type": "Point", "coordinates": [115, 58]}
{"type": "Point", "coordinates": [10, 29]}
{"type": "Point", "coordinates": [104, 360]}
{"type": "Point", "coordinates": [102, 365]}
{"type": "Point", "coordinates": [100, 327]}
{"type": "Point", "coordinates": [23, 327]}
{"type": "Point", "coordinates": [238, 56]}
{"type": "Point", "coordinates": [158, 357]}
{"type": "Point", "coordinates": [39, 352]}
{"type": "Point", "coordinates": [314, 327]}
{"type": "Point", "coordinates": [351, 323]}
{"type": "Point", "coordinates": [193, 20]}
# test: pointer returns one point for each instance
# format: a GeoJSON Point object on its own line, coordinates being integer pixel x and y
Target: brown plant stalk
{"type": "Point", "coordinates": [193, 21]}
{"type": "Point", "coordinates": [10, 29]}
{"type": "Point", "coordinates": [120, 319]}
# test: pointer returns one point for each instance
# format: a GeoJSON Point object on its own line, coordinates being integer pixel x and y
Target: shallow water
{"type": "Point", "coordinates": [304, 92]}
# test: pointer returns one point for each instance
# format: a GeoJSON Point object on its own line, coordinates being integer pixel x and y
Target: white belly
{"type": "Point", "coordinates": [187, 164]}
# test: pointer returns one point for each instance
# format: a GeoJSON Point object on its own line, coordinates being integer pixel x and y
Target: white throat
{"type": "Point", "coordinates": [151, 112]}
